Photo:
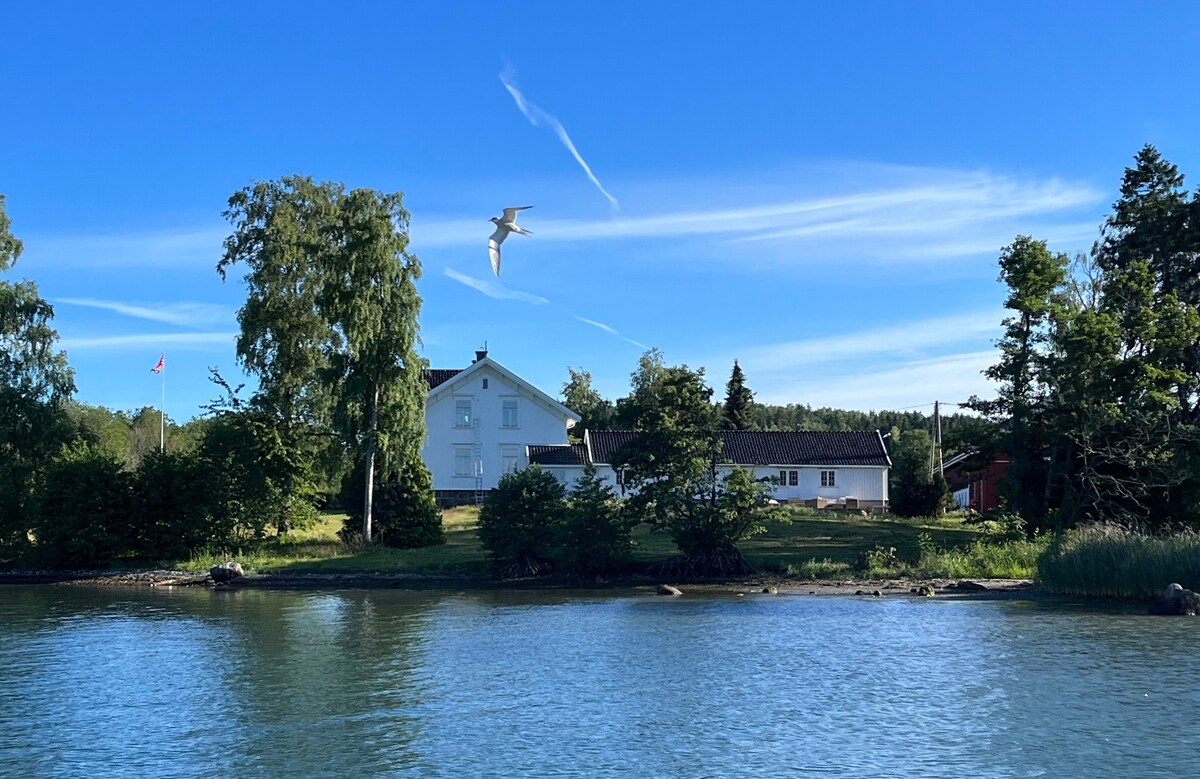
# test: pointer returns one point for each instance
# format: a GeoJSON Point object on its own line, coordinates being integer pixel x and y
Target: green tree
{"type": "Point", "coordinates": [1036, 280]}
{"type": "Point", "coordinates": [739, 400]}
{"type": "Point", "coordinates": [671, 469]}
{"type": "Point", "coordinates": [35, 383]}
{"type": "Point", "coordinates": [595, 411]}
{"type": "Point", "coordinates": [82, 510]}
{"type": "Point", "coordinates": [519, 521]}
{"type": "Point", "coordinates": [595, 534]}
{"type": "Point", "coordinates": [915, 492]}
{"type": "Point", "coordinates": [406, 513]}
{"type": "Point", "coordinates": [330, 325]}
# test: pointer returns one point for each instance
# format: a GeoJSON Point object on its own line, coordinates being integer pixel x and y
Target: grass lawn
{"type": "Point", "coordinates": [811, 546]}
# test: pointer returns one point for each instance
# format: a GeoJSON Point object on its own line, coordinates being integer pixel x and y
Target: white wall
{"type": "Point", "coordinates": [862, 482]}
{"type": "Point", "coordinates": [538, 423]}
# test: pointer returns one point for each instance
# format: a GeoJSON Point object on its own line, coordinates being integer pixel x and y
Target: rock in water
{"type": "Point", "coordinates": [226, 572]}
{"type": "Point", "coordinates": [666, 589]}
{"type": "Point", "coordinates": [1176, 601]}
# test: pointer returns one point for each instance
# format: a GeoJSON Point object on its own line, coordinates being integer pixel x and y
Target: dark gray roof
{"type": "Point", "coordinates": [569, 454]}
{"type": "Point", "coordinates": [746, 447]}
{"type": "Point", "coordinates": [436, 376]}
{"type": "Point", "coordinates": [783, 447]}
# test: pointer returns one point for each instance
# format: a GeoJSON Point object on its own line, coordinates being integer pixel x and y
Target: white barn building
{"type": "Point", "coordinates": [848, 469]}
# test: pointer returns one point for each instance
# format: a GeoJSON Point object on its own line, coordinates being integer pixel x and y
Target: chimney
{"type": "Point", "coordinates": [480, 354]}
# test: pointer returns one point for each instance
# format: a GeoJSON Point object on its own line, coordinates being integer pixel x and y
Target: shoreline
{"type": "Point", "coordinates": [972, 589]}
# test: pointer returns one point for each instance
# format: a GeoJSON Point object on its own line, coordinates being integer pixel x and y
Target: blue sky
{"type": "Point", "coordinates": [818, 191]}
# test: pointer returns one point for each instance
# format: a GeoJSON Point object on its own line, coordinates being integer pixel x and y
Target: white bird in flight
{"type": "Point", "coordinates": [504, 225]}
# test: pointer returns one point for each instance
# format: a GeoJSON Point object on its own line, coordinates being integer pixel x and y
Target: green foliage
{"type": "Point", "coordinates": [35, 381]}
{"type": "Point", "coordinates": [406, 512]}
{"type": "Point", "coordinates": [739, 400]}
{"type": "Point", "coordinates": [330, 325]}
{"type": "Point", "coordinates": [594, 536]}
{"type": "Point", "coordinates": [596, 413]}
{"type": "Point", "coordinates": [1105, 560]}
{"type": "Point", "coordinates": [82, 511]}
{"type": "Point", "coordinates": [170, 508]}
{"type": "Point", "coordinates": [914, 492]}
{"type": "Point", "coordinates": [520, 521]}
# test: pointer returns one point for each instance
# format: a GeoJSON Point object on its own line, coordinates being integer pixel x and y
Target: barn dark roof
{"type": "Point", "coordinates": [571, 454]}
{"type": "Point", "coordinates": [744, 447]}
{"type": "Point", "coordinates": [436, 376]}
{"type": "Point", "coordinates": [604, 443]}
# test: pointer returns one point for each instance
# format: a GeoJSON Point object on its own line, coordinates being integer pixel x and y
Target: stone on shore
{"type": "Point", "coordinates": [1176, 601]}
{"type": "Point", "coordinates": [226, 572]}
{"type": "Point", "coordinates": [666, 589]}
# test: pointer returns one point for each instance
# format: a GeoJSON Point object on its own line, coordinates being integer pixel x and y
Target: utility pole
{"type": "Point", "coordinates": [935, 450]}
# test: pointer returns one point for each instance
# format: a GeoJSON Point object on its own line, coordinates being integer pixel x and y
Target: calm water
{"type": "Point", "coordinates": [154, 683]}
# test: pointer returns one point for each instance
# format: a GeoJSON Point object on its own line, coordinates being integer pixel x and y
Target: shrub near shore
{"type": "Point", "coordinates": [1114, 562]}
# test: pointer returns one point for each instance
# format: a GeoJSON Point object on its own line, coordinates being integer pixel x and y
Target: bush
{"type": "Point", "coordinates": [594, 537]}
{"type": "Point", "coordinates": [404, 512]}
{"type": "Point", "coordinates": [169, 513]}
{"type": "Point", "coordinates": [82, 511]}
{"type": "Point", "coordinates": [520, 520]}
{"type": "Point", "coordinates": [920, 498]}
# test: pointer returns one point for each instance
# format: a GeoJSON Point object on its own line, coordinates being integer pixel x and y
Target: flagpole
{"type": "Point", "coordinates": [162, 412]}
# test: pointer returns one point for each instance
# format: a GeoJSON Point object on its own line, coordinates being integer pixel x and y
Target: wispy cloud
{"type": "Point", "coordinates": [537, 117]}
{"type": "Point", "coordinates": [902, 365]}
{"type": "Point", "coordinates": [610, 330]}
{"type": "Point", "coordinates": [908, 216]}
{"type": "Point", "coordinates": [154, 341]}
{"type": "Point", "coordinates": [196, 315]}
{"type": "Point", "coordinates": [494, 289]}
{"type": "Point", "coordinates": [183, 247]}
{"type": "Point", "coordinates": [898, 341]}
{"type": "Point", "coordinates": [950, 378]}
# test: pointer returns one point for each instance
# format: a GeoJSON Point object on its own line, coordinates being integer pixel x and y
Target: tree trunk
{"type": "Point", "coordinates": [369, 489]}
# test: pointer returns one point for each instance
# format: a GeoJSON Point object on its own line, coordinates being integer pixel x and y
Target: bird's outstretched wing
{"type": "Point", "coordinates": [494, 242]}
{"type": "Point", "coordinates": [510, 213]}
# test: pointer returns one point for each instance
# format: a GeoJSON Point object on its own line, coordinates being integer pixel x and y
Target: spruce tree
{"type": "Point", "coordinates": [735, 414]}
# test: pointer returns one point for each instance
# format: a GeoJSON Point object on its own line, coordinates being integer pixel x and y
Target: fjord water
{"type": "Point", "coordinates": [163, 683]}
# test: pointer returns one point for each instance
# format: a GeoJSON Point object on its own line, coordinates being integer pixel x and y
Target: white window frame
{"type": "Point", "coordinates": [461, 420]}
{"type": "Point", "coordinates": [514, 422]}
{"type": "Point", "coordinates": [828, 478]}
{"type": "Point", "coordinates": [462, 454]}
{"type": "Point", "coordinates": [793, 478]}
{"type": "Point", "coordinates": [510, 459]}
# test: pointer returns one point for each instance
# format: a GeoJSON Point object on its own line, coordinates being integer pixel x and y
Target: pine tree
{"type": "Point", "coordinates": [736, 413]}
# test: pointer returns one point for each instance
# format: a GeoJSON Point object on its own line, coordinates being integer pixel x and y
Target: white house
{"type": "Point", "coordinates": [847, 469]}
{"type": "Point", "coordinates": [479, 423]}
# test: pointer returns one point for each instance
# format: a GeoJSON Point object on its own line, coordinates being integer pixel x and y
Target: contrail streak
{"type": "Point", "coordinates": [538, 117]}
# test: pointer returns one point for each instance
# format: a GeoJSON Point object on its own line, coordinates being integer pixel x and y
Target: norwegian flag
{"type": "Point", "coordinates": [161, 364]}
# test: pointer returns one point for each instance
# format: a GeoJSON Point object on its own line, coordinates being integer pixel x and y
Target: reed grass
{"type": "Point", "coordinates": [1114, 562]}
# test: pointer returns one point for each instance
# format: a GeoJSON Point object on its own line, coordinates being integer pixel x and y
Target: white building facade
{"type": "Point", "coordinates": [479, 423]}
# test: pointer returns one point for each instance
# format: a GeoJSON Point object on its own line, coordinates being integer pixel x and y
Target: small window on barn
{"type": "Point", "coordinates": [828, 478]}
{"type": "Point", "coordinates": [485, 382]}
{"type": "Point", "coordinates": [783, 478]}
{"type": "Point", "coordinates": [793, 478]}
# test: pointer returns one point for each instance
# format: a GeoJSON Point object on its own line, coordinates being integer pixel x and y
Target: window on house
{"type": "Point", "coordinates": [828, 478]}
{"type": "Point", "coordinates": [485, 383]}
{"type": "Point", "coordinates": [462, 412]}
{"type": "Point", "coordinates": [783, 478]}
{"type": "Point", "coordinates": [621, 478]}
{"type": "Point", "coordinates": [508, 459]}
{"type": "Point", "coordinates": [462, 461]}
{"type": "Point", "coordinates": [793, 478]}
{"type": "Point", "coordinates": [510, 409]}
